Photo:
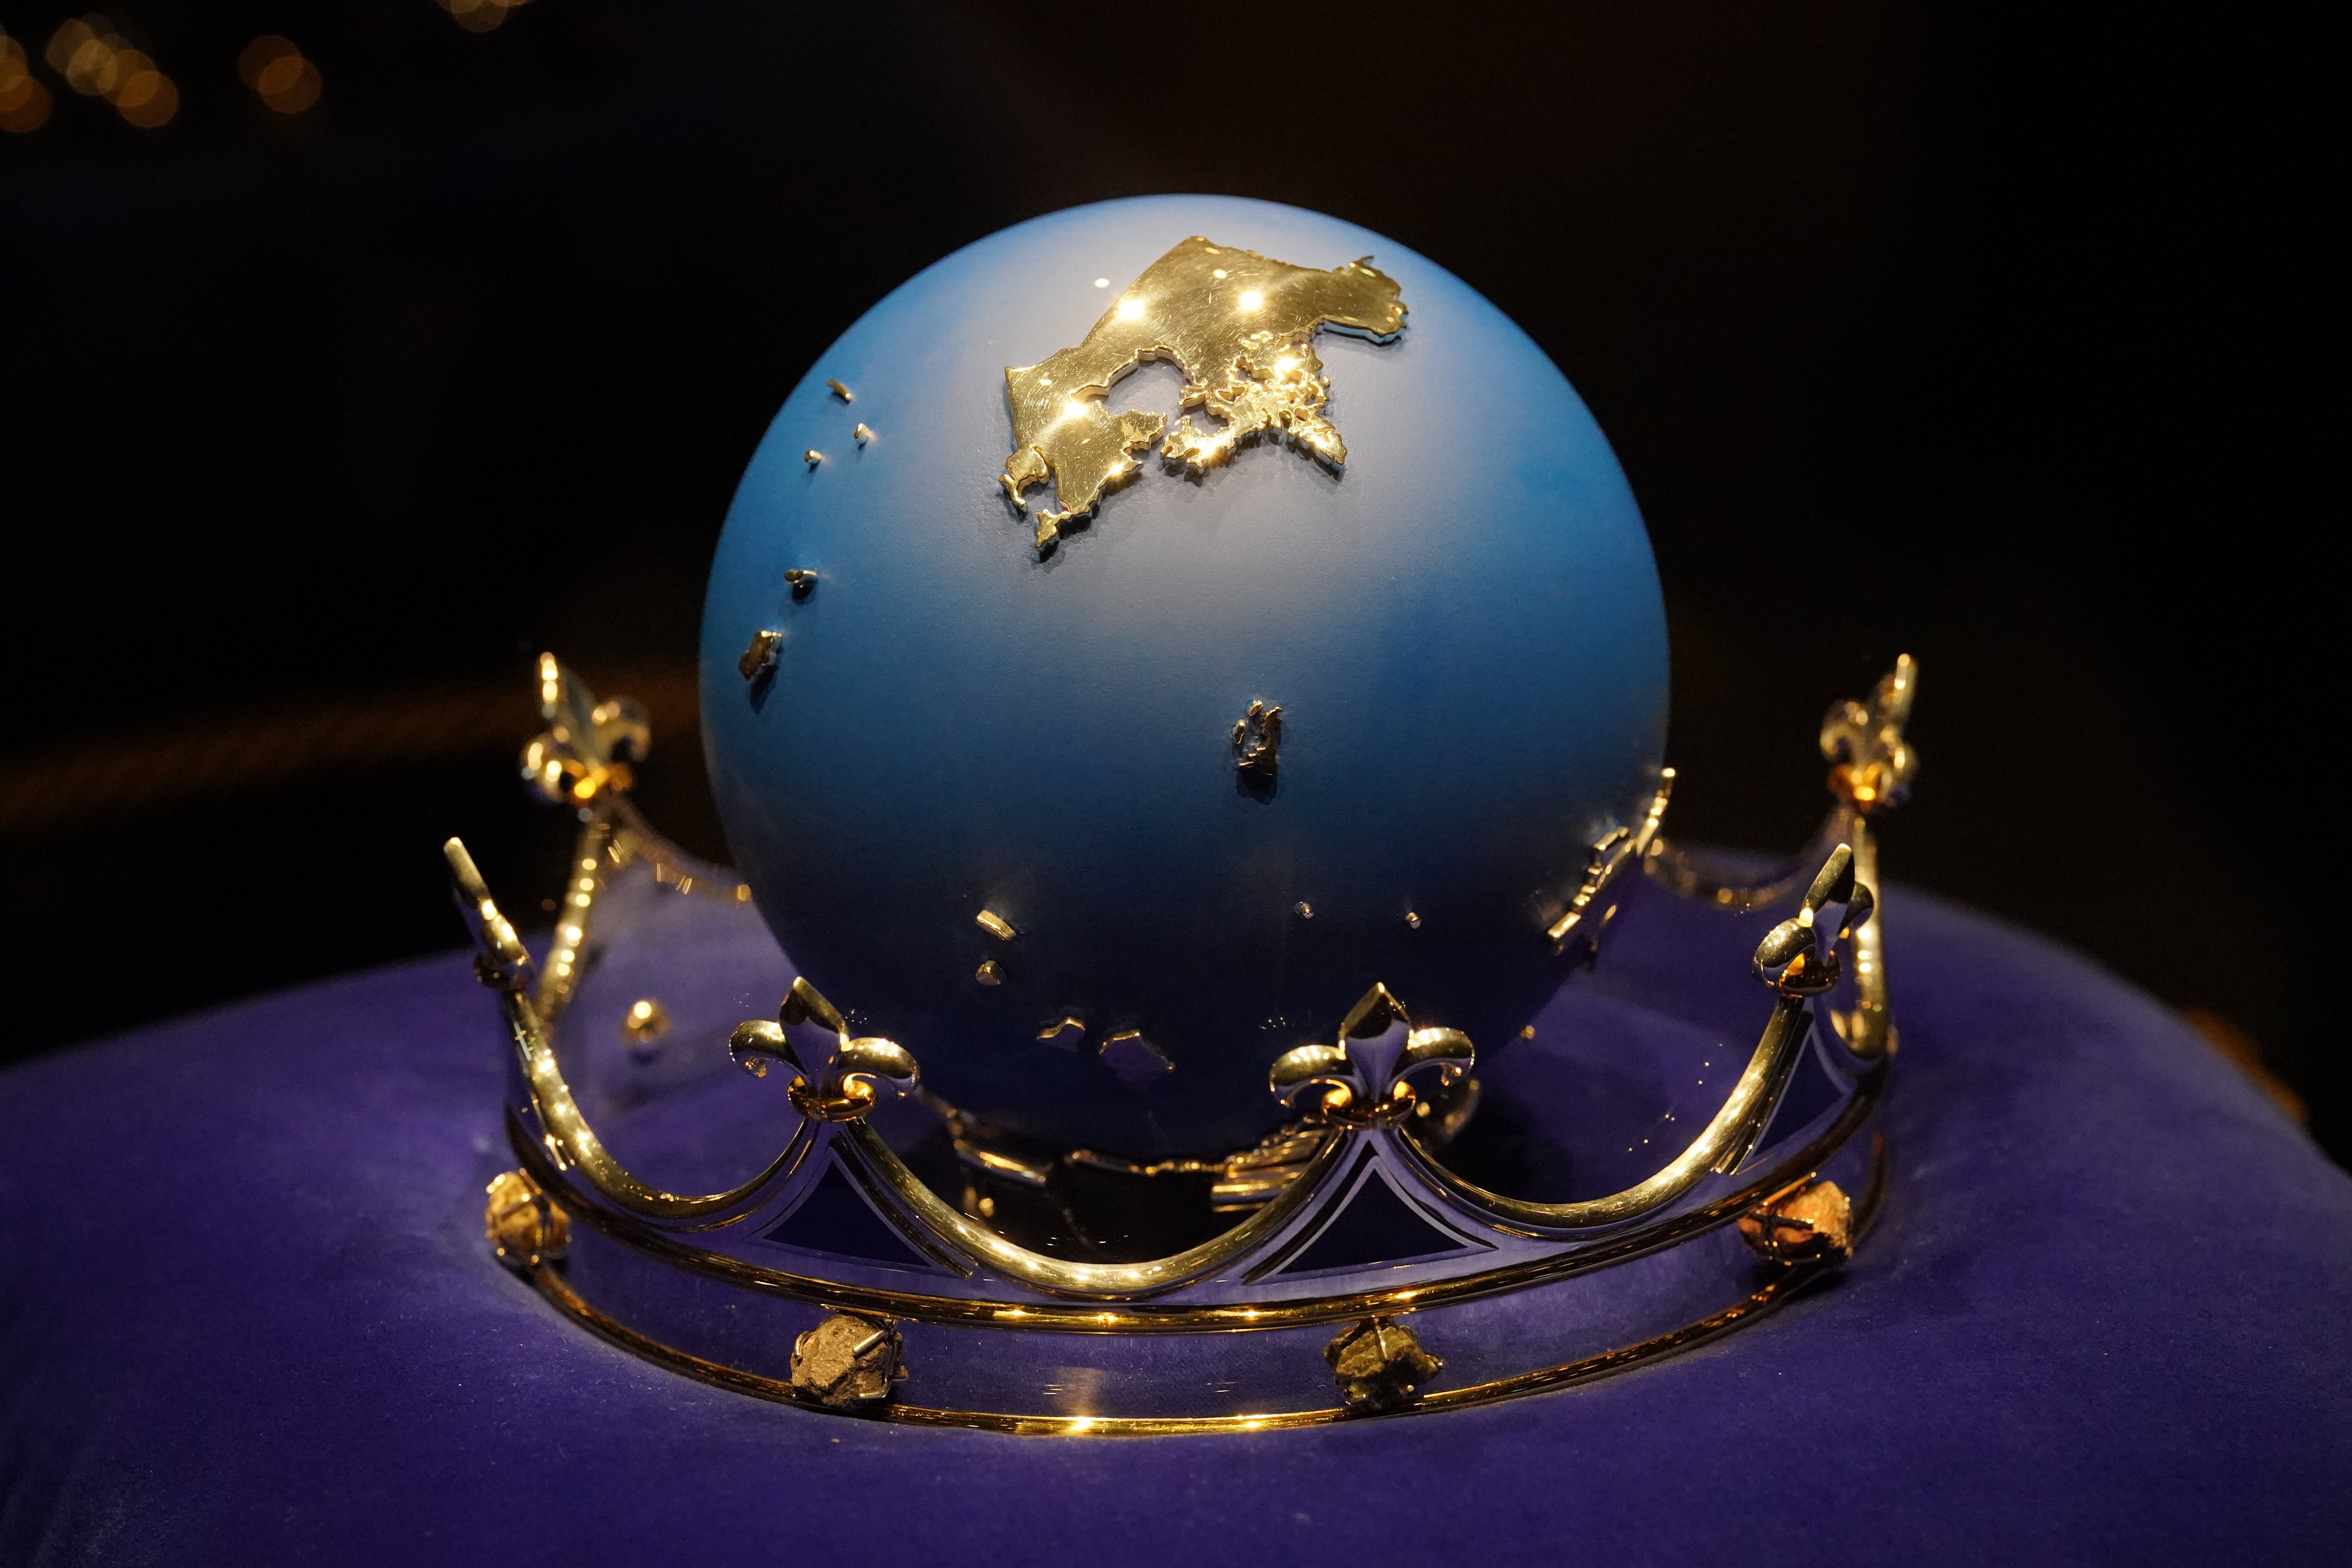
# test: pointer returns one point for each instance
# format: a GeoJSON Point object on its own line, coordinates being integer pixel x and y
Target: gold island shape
{"type": "Point", "coordinates": [1238, 324]}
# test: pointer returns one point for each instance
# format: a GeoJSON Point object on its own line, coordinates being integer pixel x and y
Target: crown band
{"type": "Point", "coordinates": [725, 1284]}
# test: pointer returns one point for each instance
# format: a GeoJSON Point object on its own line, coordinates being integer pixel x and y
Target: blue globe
{"type": "Point", "coordinates": [1461, 627]}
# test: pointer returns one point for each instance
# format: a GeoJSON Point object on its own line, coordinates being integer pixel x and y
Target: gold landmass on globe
{"type": "Point", "coordinates": [1238, 324]}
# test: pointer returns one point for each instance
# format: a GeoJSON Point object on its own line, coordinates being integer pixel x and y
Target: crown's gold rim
{"type": "Point", "coordinates": [569, 1164]}
{"type": "Point", "coordinates": [545, 1278]}
{"type": "Point", "coordinates": [1145, 1318]}
{"type": "Point", "coordinates": [1729, 1139]}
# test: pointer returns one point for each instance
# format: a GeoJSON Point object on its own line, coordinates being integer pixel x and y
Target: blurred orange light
{"type": "Point", "coordinates": [24, 101]}
{"type": "Point", "coordinates": [259, 55]}
{"type": "Point", "coordinates": [148, 99]}
{"type": "Point", "coordinates": [66, 42]}
{"type": "Point", "coordinates": [479, 15]}
{"type": "Point", "coordinates": [99, 62]}
{"type": "Point", "coordinates": [289, 87]}
{"type": "Point", "coordinates": [279, 74]}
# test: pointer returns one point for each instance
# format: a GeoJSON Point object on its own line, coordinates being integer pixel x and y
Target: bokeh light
{"type": "Point", "coordinates": [98, 61]}
{"type": "Point", "coordinates": [479, 15]}
{"type": "Point", "coordinates": [24, 101]}
{"type": "Point", "coordinates": [278, 73]}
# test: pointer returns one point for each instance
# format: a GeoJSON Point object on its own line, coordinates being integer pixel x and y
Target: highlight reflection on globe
{"type": "Point", "coordinates": [1357, 655]}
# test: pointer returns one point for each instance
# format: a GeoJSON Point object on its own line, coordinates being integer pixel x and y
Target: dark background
{"type": "Point", "coordinates": [1931, 329]}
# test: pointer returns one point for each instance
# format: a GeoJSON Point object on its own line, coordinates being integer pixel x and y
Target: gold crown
{"type": "Point", "coordinates": [1362, 1275]}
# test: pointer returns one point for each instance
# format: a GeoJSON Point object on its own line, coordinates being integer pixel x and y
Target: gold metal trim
{"type": "Point", "coordinates": [589, 741]}
{"type": "Point", "coordinates": [1791, 962]}
{"type": "Point", "coordinates": [1126, 1281]}
{"type": "Point", "coordinates": [573, 921]}
{"type": "Point", "coordinates": [1871, 769]}
{"type": "Point", "coordinates": [635, 838]}
{"type": "Point", "coordinates": [1610, 856]}
{"type": "Point", "coordinates": [1145, 1317]}
{"type": "Point", "coordinates": [1792, 1278]}
{"type": "Point", "coordinates": [505, 967]}
{"type": "Point", "coordinates": [1689, 876]}
{"type": "Point", "coordinates": [1726, 1139]}
{"type": "Point", "coordinates": [846, 1093]}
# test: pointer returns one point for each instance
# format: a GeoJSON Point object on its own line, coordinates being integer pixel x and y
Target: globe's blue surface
{"type": "Point", "coordinates": [1464, 632]}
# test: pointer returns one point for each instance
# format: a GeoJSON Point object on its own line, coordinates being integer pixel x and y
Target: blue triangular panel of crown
{"type": "Point", "coordinates": [833, 1219]}
{"type": "Point", "coordinates": [1377, 1227]}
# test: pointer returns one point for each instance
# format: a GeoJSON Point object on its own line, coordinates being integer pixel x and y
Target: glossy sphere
{"type": "Point", "coordinates": [1463, 631]}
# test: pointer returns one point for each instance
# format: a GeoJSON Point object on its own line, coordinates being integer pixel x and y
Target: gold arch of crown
{"type": "Point", "coordinates": [1355, 1091]}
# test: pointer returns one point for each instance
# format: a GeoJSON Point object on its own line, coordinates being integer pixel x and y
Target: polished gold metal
{"type": "Point", "coordinates": [1791, 961]}
{"type": "Point", "coordinates": [1790, 958]}
{"type": "Point", "coordinates": [1237, 324]}
{"type": "Point", "coordinates": [582, 759]}
{"type": "Point", "coordinates": [500, 960]}
{"type": "Point", "coordinates": [1412, 920]}
{"type": "Point", "coordinates": [1872, 765]}
{"type": "Point", "coordinates": [860, 432]}
{"type": "Point", "coordinates": [978, 1150]}
{"type": "Point", "coordinates": [989, 972]}
{"type": "Point", "coordinates": [803, 1003]}
{"type": "Point", "coordinates": [758, 656]}
{"type": "Point", "coordinates": [1244, 1179]}
{"type": "Point", "coordinates": [841, 392]}
{"type": "Point", "coordinates": [1101, 1281]}
{"type": "Point", "coordinates": [1375, 1011]}
{"type": "Point", "coordinates": [1809, 1220]}
{"type": "Point", "coordinates": [1870, 771]}
{"type": "Point", "coordinates": [997, 926]}
{"type": "Point", "coordinates": [1142, 1315]}
{"type": "Point", "coordinates": [1350, 1089]}
{"type": "Point", "coordinates": [1784, 1284]}
{"type": "Point", "coordinates": [1303, 910]}
{"type": "Point", "coordinates": [588, 746]}
{"type": "Point", "coordinates": [645, 1022]}
{"type": "Point", "coordinates": [847, 1364]}
{"type": "Point", "coordinates": [801, 582]}
{"type": "Point", "coordinates": [1255, 1176]}
{"type": "Point", "coordinates": [1352, 1092]}
{"type": "Point", "coordinates": [847, 1092]}
{"type": "Point", "coordinates": [503, 965]}
{"type": "Point", "coordinates": [844, 1088]}
{"type": "Point", "coordinates": [1257, 741]}
{"type": "Point", "coordinates": [1066, 1025]}
{"type": "Point", "coordinates": [1621, 848]}
{"type": "Point", "coordinates": [523, 1227]}
{"type": "Point", "coordinates": [1379, 1364]}
{"type": "Point", "coordinates": [1359, 1082]}
{"type": "Point", "coordinates": [574, 918]}
{"type": "Point", "coordinates": [811, 456]}
{"type": "Point", "coordinates": [632, 838]}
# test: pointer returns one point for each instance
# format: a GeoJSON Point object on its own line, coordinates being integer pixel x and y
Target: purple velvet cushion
{"type": "Point", "coordinates": [246, 1315]}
